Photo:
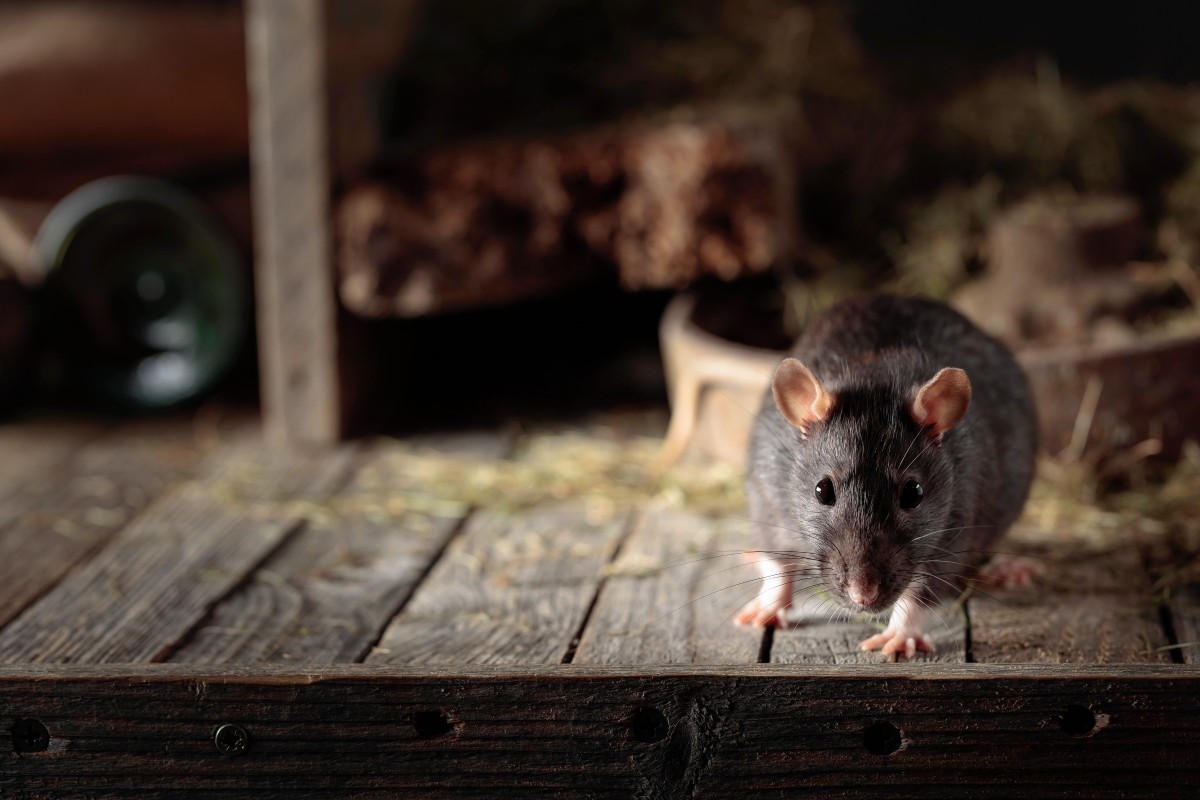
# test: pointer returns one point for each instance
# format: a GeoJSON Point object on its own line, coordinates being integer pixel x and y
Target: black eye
{"type": "Point", "coordinates": [911, 494]}
{"type": "Point", "coordinates": [825, 492]}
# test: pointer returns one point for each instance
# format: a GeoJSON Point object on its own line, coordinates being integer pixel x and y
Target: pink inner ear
{"type": "Point", "coordinates": [800, 397]}
{"type": "Point", "coordinates": [943, 401]}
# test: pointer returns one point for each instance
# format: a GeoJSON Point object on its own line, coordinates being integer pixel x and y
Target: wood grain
{"type": "Point", "coordinates": [141, 595]}
{"type": "Point", "coordinates": [512, 589]}
{"type": "Point", "coordinates": [670, 596]}
{"type": "Point", "coordinates": [297, 311]}
{"type": "Point", "coordinates": [328, 593]}
{"type": "Point", "coordinates": [759, 731]}
{"type": "Point", "coordinates": [76, 495]}
{"type": "Point", "coordinates": [1093, 604]}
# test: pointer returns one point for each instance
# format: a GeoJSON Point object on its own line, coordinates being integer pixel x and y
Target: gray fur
{"type": "Point", "coordinates": [872, 355]}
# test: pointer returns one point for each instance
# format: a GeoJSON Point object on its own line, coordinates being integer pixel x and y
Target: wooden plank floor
{"type": "Point", "coordinates": [147, 543]}
{"type": "Point", "coordinates": [234, 577]}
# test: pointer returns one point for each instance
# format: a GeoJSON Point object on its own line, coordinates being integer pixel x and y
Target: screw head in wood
{"type": "Point", "coordinates": [231, 740]}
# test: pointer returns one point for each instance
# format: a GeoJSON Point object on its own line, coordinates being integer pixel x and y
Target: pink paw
{"type": "Point", "coordinates": [895, 644]}
{"type": "Point", "coordinates": [762, 615]}
{"type": "Point", "coordinates": [1007, 572]}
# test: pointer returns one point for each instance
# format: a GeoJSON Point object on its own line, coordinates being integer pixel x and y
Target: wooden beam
{"type": "Point", "coordinates": [569, 731]}
{"type": "Point", "coordinates": [297, 309]}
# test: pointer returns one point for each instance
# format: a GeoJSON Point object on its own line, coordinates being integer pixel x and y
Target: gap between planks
{"type": "Point", "coordinates": [667, 599]}
{"type": "Point", "coordinates": [573, 645]}
{"type": "Point", "coordinates": [151, 582]}
{"type": "Point", "coordinates": [328, 593]}
{"type": "Point", "coordinates": [63, 517]}
{"type": "Point", "coordinates": [511, 589]}
{"type": "Point", "coordinates": [1092, 604]}
{"type": "Point", "coordinates": [169, 650]}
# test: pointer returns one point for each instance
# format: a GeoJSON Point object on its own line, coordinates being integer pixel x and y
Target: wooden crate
{"type": "Point", "coordinates": [182, 607]}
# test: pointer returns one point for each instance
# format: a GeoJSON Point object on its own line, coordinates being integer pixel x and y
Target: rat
{"type": "Point", "coordinates": [894, 445]}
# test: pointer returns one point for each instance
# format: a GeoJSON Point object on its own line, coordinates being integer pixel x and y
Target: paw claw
{"type": "Point", "coordinates": [897, 644]}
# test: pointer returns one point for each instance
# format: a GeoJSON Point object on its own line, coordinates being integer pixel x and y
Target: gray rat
{"type": "Point", "coordinates": [893, 447]}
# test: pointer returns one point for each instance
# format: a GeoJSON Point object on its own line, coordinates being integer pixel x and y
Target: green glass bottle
{"type": "Point", "coordinates": [147, 296]}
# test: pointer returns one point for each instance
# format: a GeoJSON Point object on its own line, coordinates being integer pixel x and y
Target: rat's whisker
{"type": "Point", "coordinates": [909, 448]}
{"type": "Point", "coordinates": [953, 588]}
{"type": "Point", "coordinates": [944, 530]}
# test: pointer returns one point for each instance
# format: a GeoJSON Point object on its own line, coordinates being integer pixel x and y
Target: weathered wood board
{"type": "Point", "coordinates": [72, 499]}
{"type": "Point", "coordinates": [327, 594]}
{"type": "Point", "coordinates": [671, 595]}
{"type": "Point", "coordinates": [142, 594]}
{"type": "Point", "coordinates": [570, 731]}
{"type": "Point", "coordinates": [1092, 604]}
{"type": "Point", "coordinates": [512, 589]}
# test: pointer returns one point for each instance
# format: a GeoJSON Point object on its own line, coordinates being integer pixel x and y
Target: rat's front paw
{"type": "Point", "coordinates": [763, 614]}
{"type": "Point", "coordinates": [897, 643]}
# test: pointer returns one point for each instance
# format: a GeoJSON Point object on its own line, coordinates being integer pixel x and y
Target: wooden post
{"type": "Point", "coordinates": [297, 307]}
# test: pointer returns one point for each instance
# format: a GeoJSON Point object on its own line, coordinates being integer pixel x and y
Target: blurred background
{"type": "Point", "coordinates": [529, 191]}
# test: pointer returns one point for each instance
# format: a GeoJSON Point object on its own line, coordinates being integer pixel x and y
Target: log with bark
{"type": "Point", "coordinates": [657, 206]}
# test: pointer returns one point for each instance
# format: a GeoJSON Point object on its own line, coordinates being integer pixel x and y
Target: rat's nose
{"type": "Point", "coordinates": [863, 593]}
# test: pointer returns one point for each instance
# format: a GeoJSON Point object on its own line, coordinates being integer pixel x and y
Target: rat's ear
{"type": "Point", "coordinates": [942, 402]}
{"type": "Point", "coordinates": [800, 397]}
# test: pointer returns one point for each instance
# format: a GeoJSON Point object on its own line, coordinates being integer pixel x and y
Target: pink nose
{"type": "Point", "coordinates": [862, 593]}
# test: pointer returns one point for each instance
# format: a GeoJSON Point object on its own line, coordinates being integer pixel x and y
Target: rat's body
{"type": "Point", "coordinates": [892, 451]}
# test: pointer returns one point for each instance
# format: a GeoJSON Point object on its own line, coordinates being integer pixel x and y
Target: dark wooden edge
{"type": "Point", "coordinates": [575, 732]}
{"type": "Point", "coordinates": [275, 674]}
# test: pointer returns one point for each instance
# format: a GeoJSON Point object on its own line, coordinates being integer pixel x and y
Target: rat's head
{"type": "Point", "coordinates": [874, 485]}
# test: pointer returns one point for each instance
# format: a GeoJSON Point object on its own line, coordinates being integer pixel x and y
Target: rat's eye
{"type": "Point", "coordinates": [911, 494]}
{"type": "Point", "coordinates": [825, 492]}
